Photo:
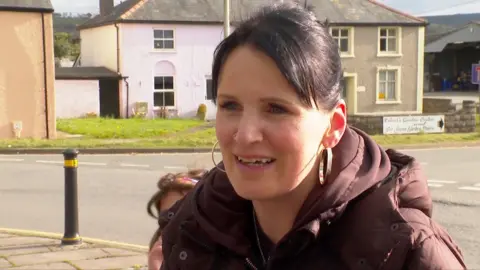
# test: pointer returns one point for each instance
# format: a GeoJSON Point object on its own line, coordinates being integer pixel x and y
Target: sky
{"type": "Point", "coordinates": [414, 7]}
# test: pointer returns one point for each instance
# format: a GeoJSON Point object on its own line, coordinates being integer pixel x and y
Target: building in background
{"type": "Point", "coordinates": [165, 49]}
{"type": "Point", "coordinates": [27, 70]}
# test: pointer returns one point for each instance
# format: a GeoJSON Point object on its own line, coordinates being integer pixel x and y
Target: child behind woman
{"type": "Point", "coordinates": [171, 188]}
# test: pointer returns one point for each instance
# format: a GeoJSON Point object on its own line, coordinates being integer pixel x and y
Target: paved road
{"type": "Point", "coordinates": [113, 191]}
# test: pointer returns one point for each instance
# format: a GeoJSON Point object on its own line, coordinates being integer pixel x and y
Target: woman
{"type": "Point", "coordinates": [171, 188]}
{"type": "Point", "coordinates": [298, 188]}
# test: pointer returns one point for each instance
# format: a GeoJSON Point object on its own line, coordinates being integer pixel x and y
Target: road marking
{"type": "Point", "coordinates": [12, 159]}
{"type": "Point", "coordinates": [441, 181]}
{"type": "Point", "coordinates": [175, 168]}
{"type": "Point", "coordinates": [477, 185]}
{"type": "Point", "coordinates": [92, 163]}
{"type": "Point", "coordinates": [49, 161]}
{"type": "Point", "coordinates": [470, 188]}
{"type": "Point", "coordinates": [134, 165]}
{"type": "Point", "coordinates": [435, 185]}
{"type": "Point", "coordinates": [440, 148]}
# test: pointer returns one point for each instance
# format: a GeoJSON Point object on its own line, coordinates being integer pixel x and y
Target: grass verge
{"type": "Point", "coordinates": [103, 128]}
{"type": "Point", "coordinates": [204, 138]}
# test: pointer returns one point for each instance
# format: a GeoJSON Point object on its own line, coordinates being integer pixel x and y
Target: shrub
{"type": "Point", "coordinates": [202, 112]}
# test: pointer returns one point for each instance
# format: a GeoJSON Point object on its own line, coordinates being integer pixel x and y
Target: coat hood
{"type": "Point", "coordinates": [359, 164]}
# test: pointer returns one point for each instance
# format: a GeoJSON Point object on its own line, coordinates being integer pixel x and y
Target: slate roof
{"type": "Point", "coordinates": [85, 73]}
{"type": "Point", "coordinates": [26, 5]}
{"type": "Point", "coordinates": [347, 12]}
{"type": "Point", "coordinates": [434, 32]}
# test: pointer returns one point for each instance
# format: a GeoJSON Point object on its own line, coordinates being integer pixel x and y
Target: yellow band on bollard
{"type": "Point", "coordinates": [71, 163]}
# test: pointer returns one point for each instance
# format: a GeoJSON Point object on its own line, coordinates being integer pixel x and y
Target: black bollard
{"type": "Point", "coordinates": [71, 235]}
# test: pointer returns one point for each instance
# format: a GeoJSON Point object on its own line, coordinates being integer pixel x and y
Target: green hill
{"type": "Point", "coordinates": [68, 23]}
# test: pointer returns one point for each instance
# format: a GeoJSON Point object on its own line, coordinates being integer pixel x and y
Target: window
{"type": "Point", "coordinates": [163, 39]}
{"type": "Point", "coordinates": [389, 40]}
{"type": "Point", "coordinates": [209, 89]}
{"type": "Point", "coordinates": [388, 84]}
{"type": "Point", "coordinates": [164, 93]}
{"type": "Point", "coordinates": [344, 38]}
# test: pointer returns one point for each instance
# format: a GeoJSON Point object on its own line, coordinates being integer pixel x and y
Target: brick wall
{"type": "Point", "coordinates": [459, 121]}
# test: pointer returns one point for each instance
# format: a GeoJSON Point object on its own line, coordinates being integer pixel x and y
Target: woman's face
{"type": "Point", "coordinates": [269, 140]}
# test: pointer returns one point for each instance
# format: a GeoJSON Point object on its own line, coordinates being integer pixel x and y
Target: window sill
{"type": "Point", "coordinates": [164, 51]}
{"type": "Point", "coordinates": [386, 54]}
{"type": "Point", "coordinates": [347, 55]}
{"type": "Point", "coordinates": [388, 102]}
{"type": "Point", "coordinates": [156, 108]}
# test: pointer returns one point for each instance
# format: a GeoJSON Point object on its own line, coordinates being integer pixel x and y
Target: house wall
{"type": "Point", "coordinates": [366, 61]}
{"type": "Point", "coordinates": [191, 61]}
{"type": "Point", "coordinates": [99, 46]}
{"type": "Point", "coordinates": [75, 98]}
{"type": "Point", "coordinates": [22, 80]}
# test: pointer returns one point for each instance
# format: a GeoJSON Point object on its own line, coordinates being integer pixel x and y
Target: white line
{"type": "Point", "coordinates": [435, 185]}
{"type": "Point", "coordinates": [80, 163]}
{"type": "Point", "coordinates": [49, 161]}
{"type": "Point", "coordinates": [477, 185]}
{"type": "Point", "coordinates": [175, 168]}
{"type": "Point", "coordinates": [470, 188]}
{"type": "Point", "coordinates": [441, 181]}
{"type": "Point", "coordinates": [134, 165]}
{"type": "Point", "coordinates": [440, 148]}
{"type": "Point", "coordinates": [11, 159]}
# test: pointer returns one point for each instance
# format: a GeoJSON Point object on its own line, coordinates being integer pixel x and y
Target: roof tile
{"type": "Point", "coordinates": [211, 11]}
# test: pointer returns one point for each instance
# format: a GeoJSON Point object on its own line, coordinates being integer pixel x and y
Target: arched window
{"type": "Point", "coordinates": [164, 85]}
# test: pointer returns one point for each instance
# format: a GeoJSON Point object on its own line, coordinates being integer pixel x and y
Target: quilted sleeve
{"type": "Point", "coordinates": [437, 252]}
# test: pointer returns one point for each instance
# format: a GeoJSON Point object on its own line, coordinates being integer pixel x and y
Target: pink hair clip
{"type": "Point", "coordinates": [190, 179]}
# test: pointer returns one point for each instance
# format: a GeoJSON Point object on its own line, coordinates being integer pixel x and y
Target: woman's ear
{"type": "Point", "coordinates": [338, 124]}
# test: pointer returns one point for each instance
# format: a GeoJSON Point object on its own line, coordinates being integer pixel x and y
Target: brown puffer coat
{"type": "Point", "coordinates": [373, 213]}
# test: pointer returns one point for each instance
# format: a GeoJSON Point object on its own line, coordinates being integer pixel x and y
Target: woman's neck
{"type": "Point", "coordinates": [276, 217]}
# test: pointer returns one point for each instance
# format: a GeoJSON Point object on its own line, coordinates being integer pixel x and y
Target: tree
{"type": "Point", "coordinates": [62, 47]}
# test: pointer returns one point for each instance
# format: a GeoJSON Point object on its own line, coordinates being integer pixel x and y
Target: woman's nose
{"type": "Point", "coordinates": [249, 131]}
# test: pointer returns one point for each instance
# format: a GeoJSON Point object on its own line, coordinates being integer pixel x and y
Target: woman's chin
{"type": "Point", "coordinates": [252, 192]}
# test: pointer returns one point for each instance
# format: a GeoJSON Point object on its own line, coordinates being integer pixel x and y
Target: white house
{"type": "Point", "coordinates": [163, 50]}
{"type": "Point", "coordinates": [166, 64]}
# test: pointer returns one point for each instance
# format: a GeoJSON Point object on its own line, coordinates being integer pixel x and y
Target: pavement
{"type": "Point", "coordinates": [35, 250]}
{"type": "Point", "coordinates": [114, 190]}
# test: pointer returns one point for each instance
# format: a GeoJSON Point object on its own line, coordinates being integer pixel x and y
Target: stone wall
{"type": "Point", "coordinates": [463, 120]}
{"type": "Point", "coordinates": [456, 121]}
{"type": "Point", "coordinates": [437, 105]}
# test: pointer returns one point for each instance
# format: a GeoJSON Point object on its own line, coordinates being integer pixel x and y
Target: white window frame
{"type": "Point", "coordinates": [398, 42]}
{"type": "Point", "coordinates": [398, 85]}
{"type": "Point", "coordinates": [165, 91]}
{"type": "Point", "coordinates": [163, 39]}
{"type": "Point", "coordinates": [349, 37]}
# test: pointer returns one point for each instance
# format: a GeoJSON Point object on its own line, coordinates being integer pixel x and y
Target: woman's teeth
{"type": "Point", "coordinates": [255, 161]}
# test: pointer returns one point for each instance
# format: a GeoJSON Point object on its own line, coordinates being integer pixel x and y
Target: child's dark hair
{"type": "Point", "coordinates": [180, 182]}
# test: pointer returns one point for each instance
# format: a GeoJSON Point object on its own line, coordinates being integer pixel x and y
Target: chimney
{"type": "Point", "coordinates": [106, 7]}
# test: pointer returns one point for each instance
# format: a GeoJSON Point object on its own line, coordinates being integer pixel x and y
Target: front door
{"type": "Point", "coordinates": [109, 99]}
{"type": "Point", "coordinates": [345, 84]}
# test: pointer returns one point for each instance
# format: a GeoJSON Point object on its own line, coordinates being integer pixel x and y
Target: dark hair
{"type": "Point", "coordinates": [180, 182]}
{"type": "Point", "coordinates": [300, 45]}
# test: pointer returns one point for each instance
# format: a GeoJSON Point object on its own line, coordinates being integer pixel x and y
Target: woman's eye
{"type": "Point", "coordinates": [276, 109]}
{"type": "Point", "coordinates": [228, 105]}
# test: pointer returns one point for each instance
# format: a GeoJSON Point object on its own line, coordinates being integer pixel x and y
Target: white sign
{"type": "Point", "coordinates": [413, 124]}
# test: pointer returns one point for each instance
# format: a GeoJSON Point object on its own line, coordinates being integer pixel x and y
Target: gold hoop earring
{"type": "Point", "coordinates": [213, 158]}
{"type": "Point", "coordinates": [325, 165]}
